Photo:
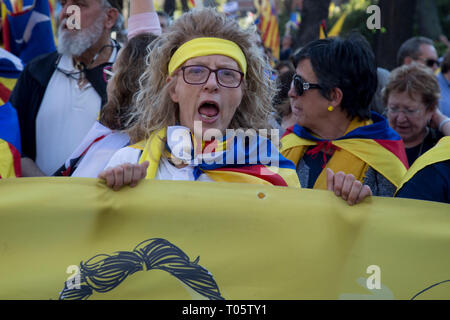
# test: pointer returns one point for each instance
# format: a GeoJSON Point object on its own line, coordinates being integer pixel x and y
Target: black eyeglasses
{"type": "Point", "coordinates": [301, 85]}
{"type": "Point", "coordinates": [228, 78]}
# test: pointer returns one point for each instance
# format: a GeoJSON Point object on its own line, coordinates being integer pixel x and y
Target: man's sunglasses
{"type": "Point", "coordinates": [301, 85]}
{"type": "Point", "coordinates": [430, 62]}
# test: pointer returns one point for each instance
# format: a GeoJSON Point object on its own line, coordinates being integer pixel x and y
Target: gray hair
{"type": "Point", "coordinates": [118, 25]}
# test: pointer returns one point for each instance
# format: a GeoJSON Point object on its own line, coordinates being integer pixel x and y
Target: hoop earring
{"type": "Point", "coordinates": [330, 108]}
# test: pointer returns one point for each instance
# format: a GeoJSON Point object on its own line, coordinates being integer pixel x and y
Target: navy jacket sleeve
{"type": "Point", "coordinates": [431, 183]}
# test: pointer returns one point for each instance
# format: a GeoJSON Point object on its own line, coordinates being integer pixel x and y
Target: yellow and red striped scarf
{"type": "Point", "coordinates": [365, 144]}
{"type": "Point", "coordinates": [283, 174]}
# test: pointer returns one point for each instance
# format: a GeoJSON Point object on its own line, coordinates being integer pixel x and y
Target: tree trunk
{"type": "Point", "coordinates": [314, 11]}
{"type": "Point", "coordinates": [397, 17]}
{"type": "Point", "coordinates": [428, 19]}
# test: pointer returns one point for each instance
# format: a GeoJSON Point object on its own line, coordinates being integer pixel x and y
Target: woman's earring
{"type": "Point", "coordinates": [330, 108]}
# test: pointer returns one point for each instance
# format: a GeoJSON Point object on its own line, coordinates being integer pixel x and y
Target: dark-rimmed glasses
{"type": "Point", "coordinates": [107, 73]}
{"type": "Point", "coordinates": [228, 78]}
{"type": "Point", "coordinates": [407, 112]}
{"type": "Point", "coordinates": [301, 85]}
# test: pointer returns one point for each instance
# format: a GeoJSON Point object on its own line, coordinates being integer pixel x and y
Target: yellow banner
{"type": "Point", "coordinates": [74, 238]}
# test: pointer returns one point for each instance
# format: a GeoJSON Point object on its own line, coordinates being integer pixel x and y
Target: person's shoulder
{"type": "Point", "coordinates": [442, 168]}
{"type": "Point", "coordinates": [441, 79]}
{"type": "Point", "coordinates": [43, 61]}
{"type": "Point", "coordinates": [378, 183]}
{"type": "Point", "coordinates": [44, 57]}
{"type": "Point", "coordinates": [41, 68]}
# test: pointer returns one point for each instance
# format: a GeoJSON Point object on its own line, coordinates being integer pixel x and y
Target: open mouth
{"type": "Point", "coordinates": [209, 110]}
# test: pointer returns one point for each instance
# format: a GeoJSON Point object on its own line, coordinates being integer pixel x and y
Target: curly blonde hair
{"type": "Point", "coordinates": [154, 109]}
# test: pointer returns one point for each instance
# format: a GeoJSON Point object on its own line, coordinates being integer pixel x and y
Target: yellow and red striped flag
{"type": "Point", "coordinates": [337, 27]}
{"type": "Point", "coordinates": [323, 33]}
{"type": "Point", "coordinates": [267, 23]}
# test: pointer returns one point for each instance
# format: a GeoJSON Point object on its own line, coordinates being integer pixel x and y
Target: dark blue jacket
{"type": "Point", "coordinates": [431, 183]}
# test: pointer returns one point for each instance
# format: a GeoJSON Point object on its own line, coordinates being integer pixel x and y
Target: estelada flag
{"type": "Point", "coordinates": [10, 147]}
{"type": "Point", "coordinates": [237, 157]}
{"type": "Point", "coordinates": [370, 143]}
{"type": "Point", "coordinates": [9, 142]}
{"type": "Point", "coordinates": [323, 33]}
{"type": "Point", "coordinates": [10, 69]}
{"type": "Point", "coordinates": [27, 28]}
{"type": "Point", "coordinates": [267, 23]}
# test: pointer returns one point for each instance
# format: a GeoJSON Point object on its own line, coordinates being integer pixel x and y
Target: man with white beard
{"type": "Point", "coordinates": [59, 95]}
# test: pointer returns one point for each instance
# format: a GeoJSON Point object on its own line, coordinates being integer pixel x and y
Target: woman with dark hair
{"type": "Point", "coordinates": [330, 96]}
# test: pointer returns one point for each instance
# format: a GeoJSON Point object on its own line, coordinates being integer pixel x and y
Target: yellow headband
{"type": "Point", "coordinates": [199, 47]}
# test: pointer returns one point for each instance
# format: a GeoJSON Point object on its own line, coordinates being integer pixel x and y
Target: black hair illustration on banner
{"type": "Point", "coordinates": [447, 282]}
{"type": "Point", "coordinates": [103, 273]}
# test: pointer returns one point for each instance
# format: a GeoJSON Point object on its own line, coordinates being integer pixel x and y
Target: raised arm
{"type": "Point", "coordinates": [141, 6]}
{"type": "Point", "coordinates": [143, 18]}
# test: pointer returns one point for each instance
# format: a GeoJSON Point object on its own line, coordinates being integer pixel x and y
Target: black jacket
{"type": "Point", "coordinates": [29, 92]}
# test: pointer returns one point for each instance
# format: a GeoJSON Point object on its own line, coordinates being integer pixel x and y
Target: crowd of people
{"type": "Point", "coordinates": [191, 99]}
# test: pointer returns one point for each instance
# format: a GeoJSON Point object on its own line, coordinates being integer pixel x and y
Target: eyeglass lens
{"type": "Point", "coordinates": [200, 74]}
